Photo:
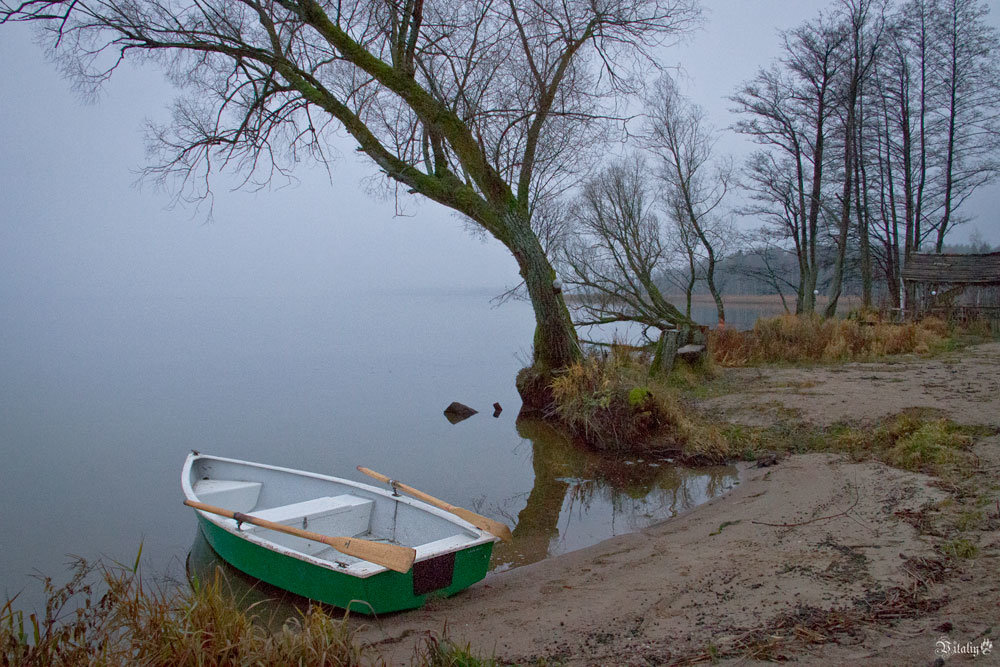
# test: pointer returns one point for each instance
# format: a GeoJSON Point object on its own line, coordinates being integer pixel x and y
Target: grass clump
{"type": "Point", "coordinates": [932, 444]}
{"type": "Point", "coordinates": [106, 615]}
{"type": "Point", "coordinates": [443, 652]}
{"type": "Point", "coordinates": [810, 338]}
{"type": "Point", "coordinates": [609, 403]}
{"type": "Point", "coordinates": [915, 439]}
{"type": "Point", "coordinates": [960, 548]}
{"type": "Point", "coordinates": [970, 520]}
{"type": "Point", "coordinates": [910, 440]}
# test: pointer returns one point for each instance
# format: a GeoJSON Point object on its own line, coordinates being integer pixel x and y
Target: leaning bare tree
{"type": "Point", "coordinates": [618, 249]}
{"type": "Point", "coordinates": [479, 105]}
{"type": "Point", "coordinates": [695, 184]}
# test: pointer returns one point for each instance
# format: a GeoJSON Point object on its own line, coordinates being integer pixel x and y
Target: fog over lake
{"type": "Point", "coordinates": [103, 399]}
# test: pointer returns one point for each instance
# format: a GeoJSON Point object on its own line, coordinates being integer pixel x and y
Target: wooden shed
{"type": "Point", "coordinates": [954, 286]}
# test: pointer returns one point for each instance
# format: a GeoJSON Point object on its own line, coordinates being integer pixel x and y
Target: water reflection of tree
{"type": "Point", "coordinates": [570, 481]}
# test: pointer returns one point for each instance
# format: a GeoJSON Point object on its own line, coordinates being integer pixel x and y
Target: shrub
{"type": "Point", "coordinates": [438, 652]}
{"type": "Point", "coordinates": [960, 548]}
{"type": "Point", "coordinates": [933, 443]}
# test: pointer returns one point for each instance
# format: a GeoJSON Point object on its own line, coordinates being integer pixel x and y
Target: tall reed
{"type": "Point", "coordinates": [107, 615]}
{"type": "Point", "coordinates": [804, 338]}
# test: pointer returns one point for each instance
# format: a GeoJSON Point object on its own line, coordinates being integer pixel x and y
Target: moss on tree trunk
{"type": "Point", "coordinates": [555, 344]}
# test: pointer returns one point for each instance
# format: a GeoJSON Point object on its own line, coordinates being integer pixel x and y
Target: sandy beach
{"type": "Point", "coordinates": [815, 559]}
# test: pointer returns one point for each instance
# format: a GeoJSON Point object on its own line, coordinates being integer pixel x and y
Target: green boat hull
{"type": "Point", "coordinates": [380, 593]}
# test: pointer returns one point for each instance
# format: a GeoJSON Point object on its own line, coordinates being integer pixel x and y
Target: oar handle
{"type": "Point", "coordinates": [377, 475]}
{"type": "Point", "coordinates": [391, 556]}
{"type": "Point", "coordinates": [416, 493]}
{"type": "Point", "coordinates": [483, 523]}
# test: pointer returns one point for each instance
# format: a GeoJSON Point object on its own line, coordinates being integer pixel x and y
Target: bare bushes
{"type": "Point", "coordinates": [610, 404]}
{"type": "Point", "coordinates": [791, 339]}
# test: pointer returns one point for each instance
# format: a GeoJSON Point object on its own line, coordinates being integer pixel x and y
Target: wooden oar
{"type": "Point", "coordinates": [481, 522]}
{"type": "Point", "coordinates": [391, 556]}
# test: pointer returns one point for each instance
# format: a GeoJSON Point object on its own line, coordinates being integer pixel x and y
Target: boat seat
{"type": "Point", "coordinates": [337, 516]}
{"type": "Point", "coordinates": [444, 545]}
{"type": "Point", "coordinates": [229, 494]}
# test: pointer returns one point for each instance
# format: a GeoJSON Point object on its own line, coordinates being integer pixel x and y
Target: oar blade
{"type": "Point", "coordinates": [391, 556]}
{"type": "Point", "coordinates": [484, 523]}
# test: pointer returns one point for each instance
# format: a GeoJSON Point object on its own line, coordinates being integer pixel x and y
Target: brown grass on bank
{"type": "Point", "coordinates": [106, 615]}
{"type": "Point", "coordinates": [609, 403]}
{"type": "Point", "coordinates": [798, 338]}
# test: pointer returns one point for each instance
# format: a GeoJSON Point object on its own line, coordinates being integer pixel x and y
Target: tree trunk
{"type": "Point", "coordinates": [812, 276]}
{"type": "Point", "coordinates": [710, 268]}
{"type": "Point", "coordinates": [800, 291]}
{"type": "Point", "coordinates": [837, 280]}
{"type": "Point", "coordinates": [556, 345]}
{"type": "Point", "coordinates": [850, 155]}
{"type": "Point", "coordinates": [949, 170]}
{"type": "Point", "coordinates": [866, 256]}
{"type": "Point", "coordinates": [862, 209]}
{"type": "Point", "coordinates": [666, 351]}
{"type": "Point", "coordinates": [692, 278]}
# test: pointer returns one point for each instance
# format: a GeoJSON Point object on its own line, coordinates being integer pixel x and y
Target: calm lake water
{"type": "Point", "coordinates": [100, 402]}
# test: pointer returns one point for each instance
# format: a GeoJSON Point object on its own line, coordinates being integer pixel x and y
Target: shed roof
{"type": "Point", "coordinates": [953, 268]}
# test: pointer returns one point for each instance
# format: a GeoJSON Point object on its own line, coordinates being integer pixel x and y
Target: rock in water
{"type": "Point", "coordinates": [457, 412]}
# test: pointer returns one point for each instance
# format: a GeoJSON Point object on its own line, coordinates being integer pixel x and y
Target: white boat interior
{"type": "Point", "coordinates": [322, 504]}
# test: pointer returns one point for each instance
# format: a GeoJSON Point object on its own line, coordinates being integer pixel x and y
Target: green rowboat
{"type": "Point", "coordinates": [451, 554]}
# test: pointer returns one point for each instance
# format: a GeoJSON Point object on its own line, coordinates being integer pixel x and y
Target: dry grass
{"type": "Point", "coordinates": [609, 403]}
{"type": "Point", "coordinates": [106, 615]}
{"type": "Point", "coordinates": [438, 652]}
{"type": "Point", "coordinates": [792, 339]}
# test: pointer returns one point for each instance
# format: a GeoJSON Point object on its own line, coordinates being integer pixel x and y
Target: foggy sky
{"type": "Point", "coordinates": [73, 223]}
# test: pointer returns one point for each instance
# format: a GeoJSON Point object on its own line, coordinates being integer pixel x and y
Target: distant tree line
{"type": "Point", "coordinates": [774, 271]}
